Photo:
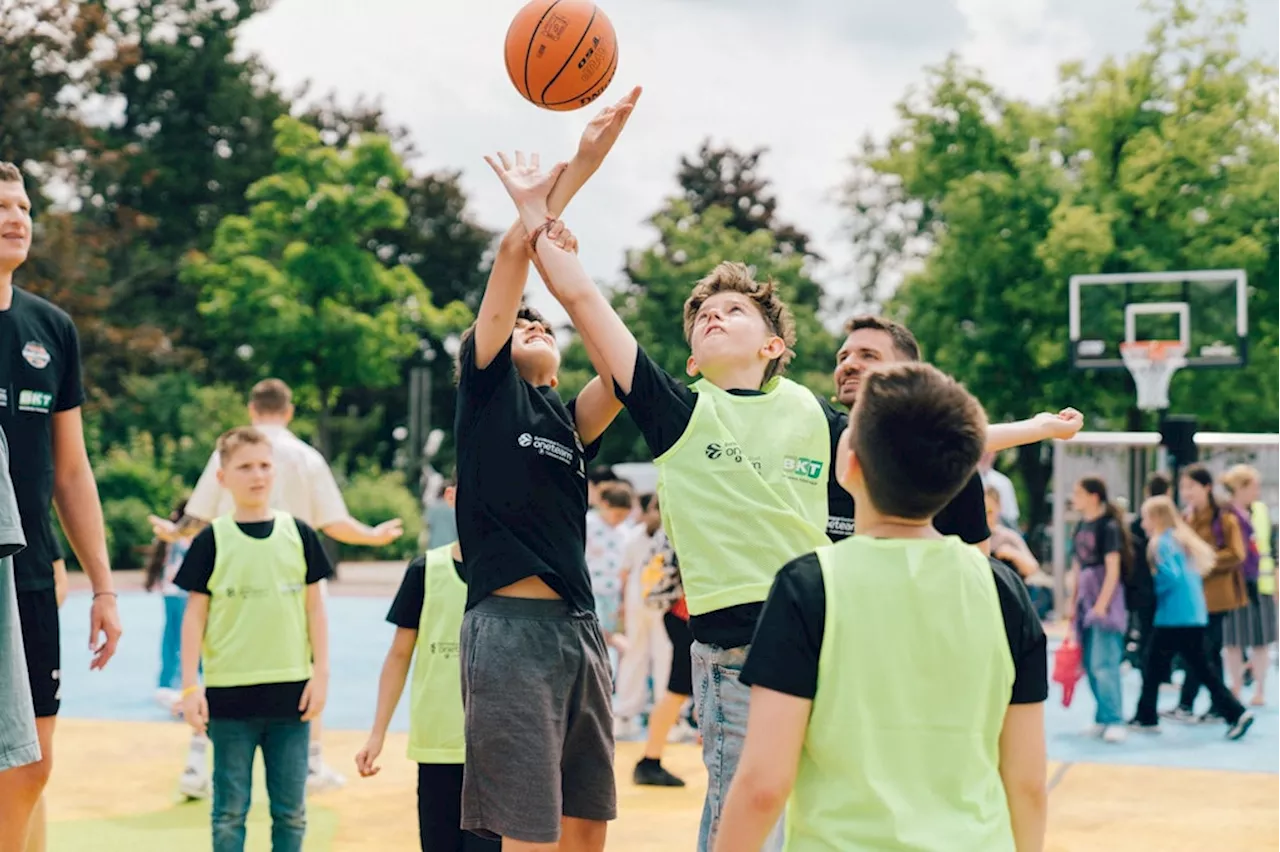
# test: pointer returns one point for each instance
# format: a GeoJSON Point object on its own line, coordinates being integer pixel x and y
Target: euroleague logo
{"type": "Point", "coordinates": [525, 439]}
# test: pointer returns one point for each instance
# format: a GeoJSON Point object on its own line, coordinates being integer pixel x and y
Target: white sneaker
{"type": "Point", "coordinates": [627, 728]}
{"type": "Point", "coordinates": [682, 732]}
{"type": "Point", "coordinates": [195, 784]}
{"type": "Point", "coordinates": [1114, 734]}
{"type": "Point", "coordinates": [167, 697]}
{"type": "Point", "coordinates": [1095, 731]}
{"type": "Point", "coordinates": [321, 778]}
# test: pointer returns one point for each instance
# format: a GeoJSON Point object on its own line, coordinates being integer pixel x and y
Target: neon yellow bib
{"type": "Point", "coordinates": [435, 699]}
{"type": "Point", "coordinates": [744, 491]}
{"type": "Point", "coordinates": [914, 678]}
{"type": "Point", "coordinates": [1261, 520]}
{"type": "Point", "coordinates": [257, 628]}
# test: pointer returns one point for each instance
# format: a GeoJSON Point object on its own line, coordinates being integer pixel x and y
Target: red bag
{"type": "Point", "coordinates": [1068, 667]}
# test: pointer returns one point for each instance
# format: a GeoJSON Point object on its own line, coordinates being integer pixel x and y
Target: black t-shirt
{"type": "Point", "coordinates": [39, 377]}
{"type": "Point", "coordinates": [965, 516]}
{"type": "Point", "coordinates": [269, 700]}
{"type": "Point", "coordinates": [1093, 540]}
{"type": "Point", "coordinates": [784, 654]}
{"type": "Point", "coordinates": [523, 509]}
{"type": "Point", "coordinates": [406, 608]}
{"type": "Point", "coordinates": [662, 407]}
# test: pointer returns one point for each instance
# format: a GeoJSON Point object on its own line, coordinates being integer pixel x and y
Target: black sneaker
{"type": "Point", "coordinates": [1241, 727]}
{"type": "Point", "coordinates": [650, 773]}
{"type": "Point", "coordinates": [1179, 714]}
{"type": "Point", "coordinates": [1210, 717]}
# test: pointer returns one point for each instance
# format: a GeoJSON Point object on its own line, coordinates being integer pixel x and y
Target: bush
{"type": "Point", "coordinates": [128, 532]}
{"type": "Point", "coordinates": [373, 497]}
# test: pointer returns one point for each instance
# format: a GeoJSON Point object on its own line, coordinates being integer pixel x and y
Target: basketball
{"type": "Point", "coordinates": [561, 54]}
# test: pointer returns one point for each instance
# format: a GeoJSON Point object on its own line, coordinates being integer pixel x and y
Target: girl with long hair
{"type": "Point", "coordinates": [1253, 625]}
{"type": "Point", "coordinates": [1224, 587]}
{"type": "Point", "coordinates": [1102, 555]}
{"type": "Point", "coordinates": [1179, 558]}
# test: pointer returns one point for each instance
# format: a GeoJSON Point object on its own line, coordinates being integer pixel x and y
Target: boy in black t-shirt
{"type": "Point", "coordinates": [898, 677]}
{"type": "Point", "coordinates": [537, 689]}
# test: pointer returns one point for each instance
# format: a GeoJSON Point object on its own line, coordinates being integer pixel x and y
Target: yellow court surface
{"type": "Point", "coordinates": [113, 790]}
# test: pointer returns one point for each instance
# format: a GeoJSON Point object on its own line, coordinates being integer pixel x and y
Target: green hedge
{"type": "Point", "coordinates": [377, 496]}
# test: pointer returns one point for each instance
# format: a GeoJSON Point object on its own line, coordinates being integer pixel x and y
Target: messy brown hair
{"type": "Point", "coordinates": [9, 173]}
{"type": "Point", "coordinates": [733, 277]}
{"type": "Point", "coordinates": [234, 439]}
{"type": "Point", "coordinates": [271, 396]}
{"type": "Point", "coordinates": [918, 435]}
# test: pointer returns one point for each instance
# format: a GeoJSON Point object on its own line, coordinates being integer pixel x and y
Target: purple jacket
{"type": "Point", "coordinates": [1250, 565]}
{"type": "Point", "coordinates": [1116, 618]}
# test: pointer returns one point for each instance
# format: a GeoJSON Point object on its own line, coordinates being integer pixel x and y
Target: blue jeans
{"type": "Point", "coordinates": [721, 701]}
{"type": "Point", "coordinates": [284, 744]}
{"type": "Point", "coordinates": [175, 606]}
{"type": "Point", "coordinates": [1102, 650]}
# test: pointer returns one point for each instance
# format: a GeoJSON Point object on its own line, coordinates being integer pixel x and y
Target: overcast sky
{"type": "Point", "coordinates": [806, 78]}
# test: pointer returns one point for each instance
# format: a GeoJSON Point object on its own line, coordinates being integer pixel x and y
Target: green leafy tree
{"type": "Point", "coordinates": [294, 284]}
{"type": "Point", "coordinates": [1166, 160]}
{"type": "Point", "coordinates": [659, 280]}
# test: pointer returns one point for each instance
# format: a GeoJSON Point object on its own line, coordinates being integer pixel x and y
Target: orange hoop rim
{"type": "Point", "coordinates": [1155, 350]}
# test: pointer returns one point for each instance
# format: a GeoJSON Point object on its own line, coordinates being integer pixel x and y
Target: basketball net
{"type": "Point", "coordinates": [1152, 364]}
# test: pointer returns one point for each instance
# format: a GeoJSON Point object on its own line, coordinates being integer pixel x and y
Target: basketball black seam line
{"type": "Point", "coordinates": [542, 98]}
{"type": "Point", "coordinates": [609, 70]}
{"type": "Point", "coordinates": [528, 94]}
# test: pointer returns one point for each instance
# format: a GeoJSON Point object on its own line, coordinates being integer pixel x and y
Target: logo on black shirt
{"type": "Point", "coordinates": [525, 439]}
{"type": "Point", "coordinates": [547, 447]}
{"type": "Point", "coordinates": [35, 354]}
{"type": "Point", "coordinates": [34, 400]}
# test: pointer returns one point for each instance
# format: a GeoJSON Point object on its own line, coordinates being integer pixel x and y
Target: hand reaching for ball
{"type": "Point", "coordinates": [527, 185]}
{"type": "Point", "coordinates": [603, 130]}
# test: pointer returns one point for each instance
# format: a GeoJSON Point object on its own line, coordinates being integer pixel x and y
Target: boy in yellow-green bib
{"type": "Point", "coordinates": [427, 612]}
{"type": "Point", "coordinates": [898, 677]}
{"type": "Point", "coordinates": [256, 617]}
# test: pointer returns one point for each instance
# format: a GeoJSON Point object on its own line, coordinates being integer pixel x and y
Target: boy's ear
{"type": "Point", "coordinates": [450, 495]}
{"type": "Point", "coordinates": [555, 382]}
{"type": "Point", "coordinates": [775, 347]}
{"type": "Point", "coordinates": [691, 367]}
{"type": "Point", "coordinates": [221, 478]}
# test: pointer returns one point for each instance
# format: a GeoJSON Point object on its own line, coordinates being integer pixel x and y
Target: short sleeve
{"type": "Point", "coordinates": [660, 404]}
{"type": "Point", "coordinates": [1027, 643]}
{"type": "Point", "coordinates": [1111, 538]}
{"type": "Point", "coordinates": [476, 384]}
{"type": "Point", "coordinates": [204, 500]}
{"type": "Point", "coordinates": [11, 538]}
{"type": "Point", "coordinates": [71, 388]}
{"type": "Point", "coordinates": [966, 515]}
{"type": "Point", "coordinates": [788, 640]}
{"type": "Point", "coordinates": [318, 565]}
{"type": "Point", "coordinates": [197, 565]}
{"type": "Point", "coordinates": [327, 505]}
{"type": "Point", "coordinates": [406, 608]}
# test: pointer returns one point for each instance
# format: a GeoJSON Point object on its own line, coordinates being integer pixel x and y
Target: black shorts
{"type": "Point", "coordinates": [681, 680]}
{"type": "Point", "coordinates": [38, 612]}
{"type": "Point", "coordinates": [537, 696]}
{"type": "Point", "coordinates": [440, 812]}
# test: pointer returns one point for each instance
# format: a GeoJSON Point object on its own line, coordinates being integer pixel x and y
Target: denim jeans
{"type": "Point", "coordinates": [284, 744]}
{"type": "Point", "coordinates": [175, 606]}
{"type": "Point", "coordinates": [722, 700]}
{"type": "Point", "coordinates": [1102, 650]}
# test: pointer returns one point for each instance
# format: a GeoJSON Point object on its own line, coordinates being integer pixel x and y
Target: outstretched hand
{"type": "Point", "coordinates": [604, 129]}
{"type": "Point", "coordinates": [527, 185]}
{"type": "Point", "coordinates": [1064, 425]}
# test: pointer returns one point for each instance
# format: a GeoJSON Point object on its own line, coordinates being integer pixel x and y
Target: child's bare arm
{"type": "Point", "coordinates": [196, 616]}
{"type": "Point", "coordinates": [1023, 770]}
{"type": "Point", "coordinates": [317, 690]}
{"type": "Point", "coordinates": [395, 671]}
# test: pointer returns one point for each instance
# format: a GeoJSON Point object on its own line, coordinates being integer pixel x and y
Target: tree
{"type": "Point", "coordinates": [1165, 161]}
{"type": "Point", "coordinates": [728, 178]}
{"type": "Point", "coordinates": [294, 285]}
{"type": "Point", "coordinates": [659, 280]}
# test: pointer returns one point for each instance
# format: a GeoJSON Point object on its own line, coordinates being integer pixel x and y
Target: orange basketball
{"type": "Point", "coordinates": [561, 54]}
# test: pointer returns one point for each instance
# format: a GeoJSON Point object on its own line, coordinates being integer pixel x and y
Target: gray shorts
{"type": "Point", "coordinates": [536, 688]}
{"type": "Point", "coordinates": [19, 744]}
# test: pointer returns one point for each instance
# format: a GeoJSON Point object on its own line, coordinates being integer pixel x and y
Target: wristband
{"type": "Point", "coordinates": [97, 595]}
{"type": "Point", "coordinates": [189, 690]}
{"type": "Point", "coordinates": [538, 231]}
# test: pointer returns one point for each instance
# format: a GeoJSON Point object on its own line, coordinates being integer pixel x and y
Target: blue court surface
{"type": "Point", "coordinates": [360, 636]}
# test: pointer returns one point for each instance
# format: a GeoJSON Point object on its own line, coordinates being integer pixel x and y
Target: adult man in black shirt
{"type": "Point", "coordinates": [40, 399]}
{"type": "Point", "coordinates": [872, 340]}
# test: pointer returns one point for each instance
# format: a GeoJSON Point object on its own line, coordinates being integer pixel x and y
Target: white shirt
{"type": "Point", "coordinates": [304, 487]}
{"type": "Point", "coordinates": [1008, 496]}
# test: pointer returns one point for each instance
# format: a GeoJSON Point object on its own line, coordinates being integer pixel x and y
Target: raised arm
{"type": "Point", "coordinates": [497, 316]}
{"type": "Point", "coordinates": [1064, 425]}
{"type": "Point", "coordinates": [596, 142]}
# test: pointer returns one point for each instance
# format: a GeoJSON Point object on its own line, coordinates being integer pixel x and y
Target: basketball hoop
{"type": "Point", "coordinates": [1152, 364]}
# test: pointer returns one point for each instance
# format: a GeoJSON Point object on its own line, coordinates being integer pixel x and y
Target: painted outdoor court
{"type": "Point", "coordinates": [117, 759]}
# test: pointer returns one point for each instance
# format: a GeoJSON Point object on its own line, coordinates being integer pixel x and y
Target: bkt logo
{"type": "Point", "coordinates": [715, 451]}
{"type": "Point", "coordinates": [802, 467]}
